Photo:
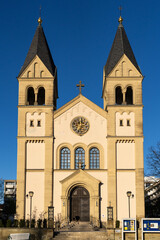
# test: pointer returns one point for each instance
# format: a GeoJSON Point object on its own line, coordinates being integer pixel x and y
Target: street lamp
{"type": "Point", "coordinates": [31, 193]}
{"type": "Point", "coordinates": [129, 193]}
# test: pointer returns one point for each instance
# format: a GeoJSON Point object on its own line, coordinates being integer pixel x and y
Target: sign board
{"type": "Point", "coordinates": [129, 225]}
{"type": "Point", "coordinates": [19, 236]}
{"type": "Point", "coordinates": [150, 225]}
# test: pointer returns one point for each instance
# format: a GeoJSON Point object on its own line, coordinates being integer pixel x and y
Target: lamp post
{"type": "Point", "coordinates": [129, 193]}
{"type": "Point", "coordinates": [31, 193]}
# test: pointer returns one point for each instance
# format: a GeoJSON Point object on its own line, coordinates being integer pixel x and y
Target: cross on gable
{"type": "Point", "coordinates": [80, 85]}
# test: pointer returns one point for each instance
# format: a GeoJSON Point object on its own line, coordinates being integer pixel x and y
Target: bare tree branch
{"type": "Point", "coordinates": [1, 190]}
{"type": "Point", "coordinates": [153, 161]}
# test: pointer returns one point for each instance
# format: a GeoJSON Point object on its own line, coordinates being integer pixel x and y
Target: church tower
{"type": "Point", "coordinates": [37, 101]}
{"type": "Point", "coordinates": [122, 96]}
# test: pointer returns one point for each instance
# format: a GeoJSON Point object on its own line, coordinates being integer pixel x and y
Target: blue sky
{"type": "Point", "coordinates": [80, 36]}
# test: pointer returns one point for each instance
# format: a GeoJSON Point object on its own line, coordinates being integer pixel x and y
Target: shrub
{"type": "Point", "coordinates": [1, 223]}
{"type": "Point", "coordinates": [27, 223]}
{"type": "Point", "coordinates": [117, 224]}
{"type": "Point", "coordinates": [9, 223]}
{"type": "Point", "coordinates": [15, 223]}
{"type": "Point", "coordinates": [33, 223]}
{"type": "Point", "coordinates": [45, 223]}
{"type": "Point", "coordinates": [22, 223]}
{"type": "Point", "coordinates": [39, 223]}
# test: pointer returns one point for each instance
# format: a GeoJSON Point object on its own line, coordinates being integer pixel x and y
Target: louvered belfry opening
{"type": "Point", "coordinates": [79, 204]}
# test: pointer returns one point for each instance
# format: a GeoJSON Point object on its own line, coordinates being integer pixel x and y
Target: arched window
{"type": "Point", "coordinates": [119, 95]}
{"type": "Point", "coordinates": [65, 158]}
{"type": "Point", "coordinates": [79, 158]}
{"type": "Point", "coordinates": [94, 158]}
{"type": "Point", "coordinates": [41, 96]}
{"type": "Point", "coordinates": [30, 96]}
{"type": "Point", "coordinates": [129, 95]}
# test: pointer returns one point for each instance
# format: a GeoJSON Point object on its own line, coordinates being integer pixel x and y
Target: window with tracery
{"type": "Point", "coordinates": [65, 158]}
{"type": "Point", "coordinates": [79, 158]}
{"type": "Point", "coordinates": [94, 158]}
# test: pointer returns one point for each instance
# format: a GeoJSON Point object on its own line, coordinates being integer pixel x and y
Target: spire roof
{"type": "Point", "coordinates": [120, 46]}
{"type": "Point", "coordinates": [39, 47]}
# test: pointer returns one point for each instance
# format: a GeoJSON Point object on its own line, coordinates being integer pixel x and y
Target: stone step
{"type": "Point", "coordinates": [81, 235]}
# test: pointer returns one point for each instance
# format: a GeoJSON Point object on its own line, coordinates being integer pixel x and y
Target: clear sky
{"type": "Point", "coordinates": [80, 35]}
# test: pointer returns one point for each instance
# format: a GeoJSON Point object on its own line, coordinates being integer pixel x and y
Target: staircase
{"type": "Point", "coordinates": [82, 230]}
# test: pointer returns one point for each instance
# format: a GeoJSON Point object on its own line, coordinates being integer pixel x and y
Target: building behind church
{"type": "Point", "coordinates": [80, 158]}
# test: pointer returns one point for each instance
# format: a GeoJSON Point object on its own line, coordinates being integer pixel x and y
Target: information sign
{"type": "Point", "coordinates": [129, 225]}
{"type": "Point", "coordinates": [150, 225]}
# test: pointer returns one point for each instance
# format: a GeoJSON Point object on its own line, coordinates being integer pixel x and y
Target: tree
{"type": "Point", "coordinates": [1, 190]}
{"type": "Point", "coordinates": [153, 158]}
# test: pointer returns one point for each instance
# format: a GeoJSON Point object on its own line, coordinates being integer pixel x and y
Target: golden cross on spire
{"type": "Point", "coordinates": [80, 85]}
{"type": "Point", "coordinates": [120, 20]}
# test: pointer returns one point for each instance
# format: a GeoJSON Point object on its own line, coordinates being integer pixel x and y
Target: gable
{"type": "Point", "coordinates": [64, 131]}
{"type": "Point", "coordinates": [82, 178]}
{"type": "Point", "coordinates": [125, 68]}
{"type": "Point", "coordinates": [36, 69]}
{"type": "Point", "coordinates": [87, 102]}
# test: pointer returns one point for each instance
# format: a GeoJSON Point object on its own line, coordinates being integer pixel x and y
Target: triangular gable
{"type": "Point", "coordinates": [73, 102]}
{"type": "Point", "coordinates": [124, 68]}
{"type": "Point", "coordinates": [80, 178]}
{"type": "Point", "coordinates": [36, 69]}
{"type": "Point", "coordinates": [79, 175]}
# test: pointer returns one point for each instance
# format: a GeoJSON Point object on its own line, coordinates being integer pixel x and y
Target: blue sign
{"type": "Point", "coordinates": [151, 225]}
{"type": "Point", "coordinates": [129, 225]}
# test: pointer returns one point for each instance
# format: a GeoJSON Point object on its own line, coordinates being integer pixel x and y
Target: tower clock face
{"type": "Point", "coordinates": [80, 125]}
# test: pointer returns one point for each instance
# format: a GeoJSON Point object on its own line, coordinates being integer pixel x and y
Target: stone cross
{"type": "Point", "coordinates": [80, 85]}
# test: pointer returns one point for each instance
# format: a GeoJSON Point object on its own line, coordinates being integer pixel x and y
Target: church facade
{"type": "Point", "coordinates": [80, 158]}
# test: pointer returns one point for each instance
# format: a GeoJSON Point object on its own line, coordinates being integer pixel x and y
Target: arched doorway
{"type": "Point", "coordinates": [79, 204]}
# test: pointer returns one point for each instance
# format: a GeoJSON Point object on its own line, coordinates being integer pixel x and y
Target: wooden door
{"type": "Point", "coordinates": [79, 204]}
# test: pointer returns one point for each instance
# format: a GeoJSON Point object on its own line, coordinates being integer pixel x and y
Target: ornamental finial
{"type": "Point", "coordinates": [40, 19]}
{"type": "Point", "coordinates": [120, 20]}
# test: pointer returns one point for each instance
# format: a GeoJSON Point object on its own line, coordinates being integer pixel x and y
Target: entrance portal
{"type": "Point", "coordinates": [79, 204]}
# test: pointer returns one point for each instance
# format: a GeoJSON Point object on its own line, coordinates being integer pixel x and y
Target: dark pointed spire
{"type": "Point", "coordinates": [39, 47]}
{"type": "Point", "coordinates": [120, 46]}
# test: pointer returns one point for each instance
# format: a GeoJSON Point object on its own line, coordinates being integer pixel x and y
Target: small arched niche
{"type": "Point", "coordinates": [41, 74]}
{"type": "Point", "coordinates": [36, 69]}
{"type": "Point", "coordinates": [41, 96]}
{"type": "Point", "coordinates": [129, 96]}
{"type": "Point", "coordinates": [119, 95]}
{"type": "Point", "coordinates": [28, 74]}
{"type": "Point", "coordinates": [30, 96]}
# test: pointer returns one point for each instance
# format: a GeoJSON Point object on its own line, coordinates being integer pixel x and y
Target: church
{"type": "Point", "coordinates": [80, 158]}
